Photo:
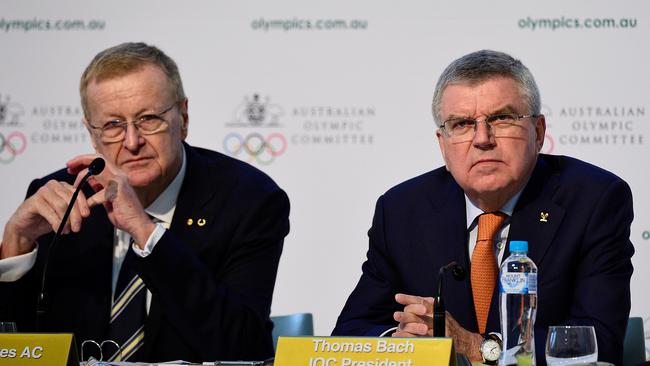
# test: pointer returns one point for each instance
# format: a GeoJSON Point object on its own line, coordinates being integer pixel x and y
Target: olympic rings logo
{"type": "Point", "coordinates": [259, 148]}
{"type": "Point", "coordinates": [11, 145]}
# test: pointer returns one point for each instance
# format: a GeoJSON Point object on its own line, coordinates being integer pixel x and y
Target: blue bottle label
{"type": "Point", "coordinates": [518, 283]}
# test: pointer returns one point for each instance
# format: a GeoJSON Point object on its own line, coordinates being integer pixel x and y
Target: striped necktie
{"type": "Point", "coordinates": [484, 271]}
{"type": "Point", "coordinates": [128, 311]}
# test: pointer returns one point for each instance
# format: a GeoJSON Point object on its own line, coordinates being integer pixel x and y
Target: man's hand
{"type": "Point", "coordinates": [465, 342]}
{"type": "Point", "coordinates": [417, 320]}
{"type": "Point", "coordinates": [113, 190]}
{"type": "Point", "coordinates": [41, 213]}
{"type": "Point", "coordinates": [417, 317]}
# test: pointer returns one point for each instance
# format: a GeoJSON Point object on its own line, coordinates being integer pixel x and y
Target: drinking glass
{"type": "Point", "coordinates": [571, 345]}
{"type": "Point", "coordinates": [7, 327]}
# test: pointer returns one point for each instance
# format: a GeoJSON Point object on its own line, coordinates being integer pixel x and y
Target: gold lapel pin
{"type": "Point", "coordinates": [190, 222]}
{"type": "Point", "coordinates": [200, 222]}
{"type": "Point", "coordinates": [543, 216]}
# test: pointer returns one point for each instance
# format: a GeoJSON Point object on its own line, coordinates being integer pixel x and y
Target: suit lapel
{"type": "Point", "coordinates": [191, 203]}
{"type": "Point", "coordinates": [535, 219]}
{"type": "Point", "coordinates": [447, 232]}
{"type": "Point", "coordinates": [96, 251]}
{"type": "Point", "coordinates": [447, 224]}
{"type": "Point", "coordinates": [196, 191]}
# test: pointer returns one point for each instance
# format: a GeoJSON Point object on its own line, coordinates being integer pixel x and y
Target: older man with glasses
{"type": "Point", "coordinates": [174, 251]}
{"type": "Point", "coordinates": [575, 216]}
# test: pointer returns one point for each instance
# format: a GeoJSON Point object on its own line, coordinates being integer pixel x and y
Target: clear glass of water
{"type": "Point", "coordinates": [571, 345]}
{"type": "Point", "coordinates": [7, 327]}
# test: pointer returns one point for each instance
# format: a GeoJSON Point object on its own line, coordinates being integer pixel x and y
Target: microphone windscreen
{"type": "Point", "coordinates": [458, 272]}
{"type": "Point", "coordinates": [96, 166]}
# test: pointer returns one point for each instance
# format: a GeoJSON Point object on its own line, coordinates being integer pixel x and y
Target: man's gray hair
{"type": "Point", "coordinates": [480, 66]}
{"type": "Point", "coordinates": [126, 58]}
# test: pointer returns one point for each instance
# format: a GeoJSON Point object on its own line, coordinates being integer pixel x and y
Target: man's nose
{"type": "Point", "coordinates": [483, 135]}
{"type": "Point", "coordinates": [132, 137]}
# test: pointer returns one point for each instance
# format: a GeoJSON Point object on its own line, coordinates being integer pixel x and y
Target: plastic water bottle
{"type": "Point", "coordinates": [518, 306]}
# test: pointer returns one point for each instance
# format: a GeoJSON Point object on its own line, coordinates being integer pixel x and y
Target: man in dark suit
{"type": "Point", "coordinates": [576, 218]}
{"type": "Point", "coordinates": [173, 253]}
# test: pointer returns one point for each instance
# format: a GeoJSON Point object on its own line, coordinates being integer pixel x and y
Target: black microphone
{"type": "Point", "coordinates": [459, 274]}
{"type": "Point", "coordinates": [95, 167]}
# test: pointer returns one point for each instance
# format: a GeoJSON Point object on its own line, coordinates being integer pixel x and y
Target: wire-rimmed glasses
{"type": "Point", "coordinates": [96, 356]}
{"type": "Point", "coordinates": [501, 125]}
{"type": "Point", "coordinates": [148, 124]}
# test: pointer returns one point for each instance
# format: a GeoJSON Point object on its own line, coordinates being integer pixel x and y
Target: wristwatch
{"type": "Point", "coordinates": [490, 349]}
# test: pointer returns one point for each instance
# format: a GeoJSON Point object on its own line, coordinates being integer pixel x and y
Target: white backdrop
{"type": "Point", "coordinates": [341, 91]}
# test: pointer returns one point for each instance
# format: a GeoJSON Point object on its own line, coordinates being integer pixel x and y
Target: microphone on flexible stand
{"type": "Point", "coordinates": [95, 167]}
{"type": "Point", "coordinates": [458, 272]}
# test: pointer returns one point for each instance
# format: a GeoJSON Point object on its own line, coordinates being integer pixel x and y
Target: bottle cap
{"type": "Point", "coordinates": [518, 246]}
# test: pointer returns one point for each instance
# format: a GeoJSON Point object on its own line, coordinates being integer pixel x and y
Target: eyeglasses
{"type": "Point", "coordinates": [148, 124]}
{"type": "Point", "coordinates": [96, 357]}
{"type": "Point", "coordinates": [501, 125]}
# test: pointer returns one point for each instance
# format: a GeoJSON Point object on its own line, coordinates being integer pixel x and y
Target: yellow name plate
{"type": "Point", "coordinates": [360, 351]}
{"type": "Point", "coordinates": [17, 349]}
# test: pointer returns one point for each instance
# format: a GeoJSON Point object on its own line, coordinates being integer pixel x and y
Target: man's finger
{"type": "Point", "coordinates": [417, 309]}
{"type": "Point", "coordinates": [78, 163]}
{"type": "Point", "coordinates": [64, 192]}
{"type": "Point", "coordinates": [47, 211]}
{"type": "Point", "coordinates": [406, 317]}
{"type": "Point", "coordinates": [95, 184]}
{"type": "Point", "coordinates": [74, 220]}
{"type": "Point", "coordinates": [79, 210]}
{"type": "Point", "coordinates": [83, 204]}
{"type": "Point", "coordinates": [57, 197]}
{"type": "Point", "coordinates": [402, 334]}
{"type": "Point", "coordinates": [425, 302]}
{"type": "Point", "coordinates": [96, 199]}
{"type": "Point", "coordinates": [80, 175]}
{"type": "Point", "coordinates": [405, 299]}
{"type": "Point", "coordinates": [415, 328]}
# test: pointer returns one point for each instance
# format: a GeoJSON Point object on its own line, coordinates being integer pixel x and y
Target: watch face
{"type": "Point", "coordinates": [490, 350]}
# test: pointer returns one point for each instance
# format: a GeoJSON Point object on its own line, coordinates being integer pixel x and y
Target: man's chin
{"type": "Point", "coordinates": [488, 186]}
{"type": "Point", "coordinates": [140, 180]}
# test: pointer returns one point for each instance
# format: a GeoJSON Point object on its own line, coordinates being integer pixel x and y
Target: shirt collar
{"type": "Point", "coordinates": [163, 207]}
{"type": "Point", "coordinates": [473, 212]}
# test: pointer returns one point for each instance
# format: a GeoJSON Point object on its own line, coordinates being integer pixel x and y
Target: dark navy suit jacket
{"type": "Point", "coordinates": [582, 252]}
{"type": "Point", "coordinates": [212, 285]}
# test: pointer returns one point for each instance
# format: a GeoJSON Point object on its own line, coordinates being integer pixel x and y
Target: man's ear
{"type": "Point", "coordinates": [185, 119]}
{"type": "Point", "coordinates": [441, 144]}
{"type": "Point", "coordinates": [540, 130]}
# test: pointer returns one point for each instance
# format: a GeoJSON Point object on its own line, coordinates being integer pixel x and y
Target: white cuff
{"type": "Point", "coordinates": [496, 334]}
{"type": "Point", "coordinates": [14, 268]}
{"type": "Point", "coordinates": [156, 234]}
{"type": "Point", "coordinates": [388, 332]}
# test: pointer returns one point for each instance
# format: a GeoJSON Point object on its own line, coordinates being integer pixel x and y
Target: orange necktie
{"type": "Point", "coordinates": [484, 271]}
